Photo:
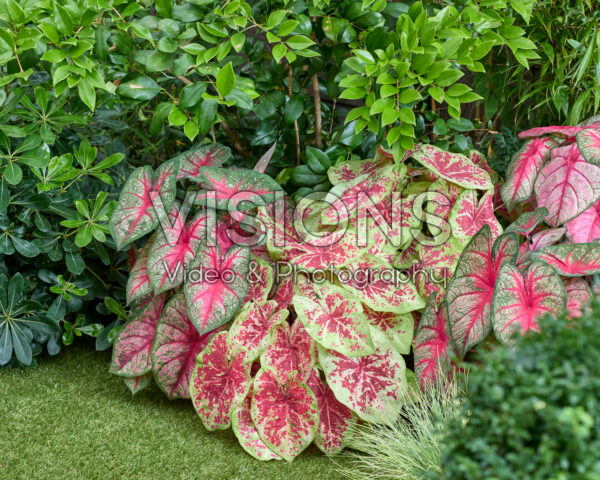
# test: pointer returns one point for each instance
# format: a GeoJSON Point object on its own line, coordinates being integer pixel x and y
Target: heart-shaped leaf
{"type": "Point", "coordinates": [468, 216]}
{"type": "Point", "coordinates": [585, 227]}
{"type": "Point", "coordinates": [138, 283]}
{"type": "Point", "coordinates": [397, 328]}
{"type": "Point", "coordinates": [567, 185]}
{"type": "Point", "coordinates": [346, 171]}
{"type": "Point", "coordinates": [588, 142]}
{"type": "Point", "coordinates": [247, 433]}
{"type": "Point", "coordinates": [571, 259]}
{"type": "Point", "coordinates": [522, 299]}
{"type": "Point", "coordinates": [137, 384]}
{"type": "Point", "coordinates": [192, 161]}
{"type": "Point", "coordinates": [470, 292]}
{"type": "Point", "coordinates": [131, 353]}
{"type": "Point", "coordinates": [220, 383]}
{"type": "Point", "coordinates": [285, 413]}
{"type": "Point", "coordinates": [523, 170]}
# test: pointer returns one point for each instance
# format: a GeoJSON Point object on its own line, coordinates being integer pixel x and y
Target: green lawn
{"type": "Point", "coordinates": [68, 418]}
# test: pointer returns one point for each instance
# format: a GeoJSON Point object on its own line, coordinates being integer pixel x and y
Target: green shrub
{"type": "Point", "coordinates": [534, 411]}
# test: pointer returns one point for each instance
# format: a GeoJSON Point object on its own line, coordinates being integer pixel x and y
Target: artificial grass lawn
{"type": "Point", "coordinates": [68, 418]}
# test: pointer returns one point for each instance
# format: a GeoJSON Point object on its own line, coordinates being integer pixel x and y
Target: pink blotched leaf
{"type": "Point", "coordinates": [557, 131]}
{"type": "Point", "coordinates": [216, 285]}
{"type": "Point", "coordinates": [479, 159]}
{"type": "Point", "coordinates": [347, 171]}
{"type": "Point", "coordinates": [252, 327]}
{"type": "Point", "coordinates": [521, 299]}
{"type": "Point", "coordinates": [585, 227]}
{"type": "Point", "coordinates": [136, 215]}
{"type": "Point", "coordinates": [453, 167]}
{"type": "Point", "coordinates": [176, 345]}
{"type": "Point", "coordinates": [433, 344]}
{"type": "Point", "coordinates": [546, 238]}
{"type": "Point", "coordinates": [588, 142]}
{"type": "Point", "coordinates": [579, 295]}
{"type": "Point", "coordinates": [192, 161]}
{"type": "Point", "coordinates": [260, 277]}
{"type": "Point", "coordinates": [131, 352]}
{"type": "Point", "coordinates": [380, 287]}
{"type": "Point", "coordinates": [247, 433]}
{"type": "Point", "coordinates": [397, 328]}
{"type": "Point", "coordinates": [527, 222]}
{"type": "Point", "coordinates": [571, 259]}
{"type": "Point", "coordinates": [285, 413]}
{"type": "Point", "coordinates": [470, 292]}
{"type": "Point", "coordinates": [567, 185]}
{"type": "Point", "coordinates": [138, 283]}
{"type": "Point", "coordinates": [334, 318]}
{"type": "Point", "coordinates": [336, 421]}
{"type": "Point", "coordinates": [174, 249]}
{"type": "Point", "coordinates": [291, 350]}
{"type": "Point", "coordinates": [469, 215]}
{"type": "Point", "coordinates": [137, 384]}
{"type": "Point", "coordinates": [372, 386]}
{"type": "Point", "coordinates": [220, 383]}
{"type": "Point", "coordinates": [232, 188]}
{"type": "Point", "coordinates": [284, 292]}
{"type": "Point", "coordinates": [523, 170]}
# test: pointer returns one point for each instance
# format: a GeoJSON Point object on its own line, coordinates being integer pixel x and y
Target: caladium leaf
{"type": "Point", "coordinates": [479, 159]}
{"type": "Point", "coordinates": [372, 386]}
{"type": "Point", "coordinates": [252, 327]}
{"type": "Point", "coordinates": [468, 216]}
{"type": "Point", "coordinates": [336, 421]}
{"type": "Point", "coordinates": [247, 433]}
{"type": "Point", "coordinates": [471, 290]}
{"type": "Point", "coordinates": [131, 352]}
{"type": "Point", "coordinates": [232, 187]}
{"type": "Point", "coordinates": [379, 287]}
{"type": "Point", "coordinates": [176, 345]}
{"type": "Point", "coordinates": [588, 142]}
{"type": "Point", "coordinates": [335, 319]}
{"type": "Point", "coordinates": [316, 257]}
{"type": "Point", "coordinates": [192, 161]}
{"type": "Point", "coordinates": [347, 171]}
{"type": "Point", "coordinates": [567, 185]}
{"type": "Point", "coordinates": [572, 259]}
{"type": "Point", "coordinates": [433, 344]}
{"type": "Point", "coordinates": [220, 383]}
{"type": "Point", "coordinates": [523, 170]}
{"type": "Point", "coordinates": [291, 350]}
{"type": "Point", "coordinates": [579, 295]}
{"type": "Point", "coordinates": [137, 384]}
{"type": "Point", "coordinates": [585, 227]}
{"type": "Point", "coordinates": [527, 222]}
{"type": "Point", "coordinates": [174, 249]}
{"type": "Point", "coordinates": [557, 131]}
{"type": "Point", "coordinates": [138, 283]}
{"type": "Point", "coordinates": [522, 299]}
{"type": "Point", "coordinates": [545, 238]}
{"type": "Point", "coordinates": [136, 215]}
{"type": "Point", "coordinates": [397, 328]}
{"type": "Point", "coordinates": [285, 413]}
{"type": "Point", "coordinates": [284, 292]}
{"type": "Point", "coordinates": [216, 286]}
{"type": "Point", "coordinates": [453, 167]}
{"type": "Point", "coordinates": [260, 278]}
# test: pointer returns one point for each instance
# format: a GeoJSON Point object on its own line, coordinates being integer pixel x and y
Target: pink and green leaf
{"type": "Point", "coordinates": [336, 421]}
{"type": "Point", "coordinates": [579, 295]}
{"type": "Point", "coordinates": [397, 328]}
{"type": "Point", "coordinates": [470, 292]}
{"type": "Point", "coordinates": [454, 167]}
{"type": "Point", "coordinates": [135, 214]}
{"type": "Point", "coordinates": [585, 228]}
{"type": "Point", "coordinates": [335, 320]}
{"type": "Point", "coordinates": [220, 383]}
{"type": "Point", "coordinates": [192, 161]}
{"type": "Point", "coordinates": [138, 282]}
{"type": "Point", "coordinates": [260, 279]}
{"type": "Point", "coordinates": [469, 215]}
{"type": "Point", "coordinates": [523, 170]}
{"type": "Point", "coordinates": [347, 171]}
{"type": "Point", "coordinates": [571, 259]}
{"type": "Point", "coordinates": [522, 299]}
{"type": "Point", "coordinates": [252, 327]}
{"type": "Point", "coordinates": [433, 344]}
{"type": "Point", "coordinates": [216, 285]}
{"type": "Point", "coordinates": [131, 352]}
{"type": "Point", "coordinates": [373, 386]}
{"type": "Point", "coordinates": [247, 433]}
{"type": "Point", "coordinates": [285, 413]}
{"type": "Point", "coordinates": [137, 384]}
{"type": "Point", "coordinates": [176, 345]}
{"type": "Point", "coordinates": [567, 186]}
{"type": "Point", "coordinates": [588, 142]}
{"type": "Point", "coordinates": [557, 131]}
{"type": "Point", "coordinates": [528, 222]}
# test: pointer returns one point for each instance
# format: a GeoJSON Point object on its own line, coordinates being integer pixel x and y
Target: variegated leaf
{"type": "Point", "coordinates": [527, 222]}
{"type": "Point", "coordinates": [579, 295]}
{"type": "Point", "coordinates": [470, 292]}
{"type": "Point", "coordinates": [346, 171]}
{"type": "Point", "coordinates": [220, 383]}
{"type": "Point", "coordinates": [571, 259]}
{"type": "Point", "coordinates": [585, 227]}
{"type": "Point", "coordinates": [468, 216]}
{"type": "Point", "coordinates": [260, 278]}
{"type": "Point", "coordinates": [397, 328]}
{"type": "Point", "coordinates": [192, 161]}
{"type": "Point", "coordinates": [588, 142]}
{"type": "Point", "coordinates": [285, 413]}
{"type": "Point", "coordinates": [137, 384]}
{"type": "Point", "coordinates": [557, 131]}
{"type": "Point", "coordinates": [522, 299]}
{"type": "Point", "coordinates": [138, 282]}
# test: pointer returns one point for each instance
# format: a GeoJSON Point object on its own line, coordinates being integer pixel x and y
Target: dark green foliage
{"type": "Point", "coordinates": [534, 410]}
